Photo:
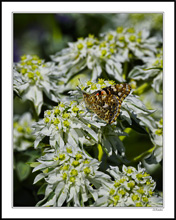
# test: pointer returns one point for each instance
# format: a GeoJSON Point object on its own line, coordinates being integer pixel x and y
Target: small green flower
{"type": "Point", "coordinates": [29, 62]}
{"type": "Point", "coordinates": [75, 163]}
{"type": "Point", "coordinates": [121, 38]}
{"type": "Point", "coordinates": [37, 72]}
{"type": "Point", "coordinates": [20, 129]}
{"type": "Point", "coordinates": [56, 121]}
{"type": "Point", "coordinates": [35, 67]}
{"type": "Point", "coordinates": [103, 53]}
{"type": "Point", "coordinates": [80, 46]}
{"type": "Point", "coordinates": [56, 158]}
{"type": "Point", "coordinates": [23, 63]}
{"type": "Point", "coordinates": [23, 71]}
{"type": "Point", "coordinates": [39, 62]}
{"type": "Point", "coordinates": [35, 57]}
{"type": "Point", "coordinates": [46, 120]}
{"type": "Point", "coordinates": [141, 190]}
{"type": "Point", "coordinates": [28, 130]}
{"type": "Point", "coordinates": [159, 132]}
{"type": "Point", "coordinates": [148, 182]}
{"type": "Point", "coordinates": [139, 204]}
{"type": "Point", "coordinates": [132, 38]}
{"type": "Point", "coordinates": [111, 82]}
{"type": "Point", "coordinates": [139, 40]}
{"type": "Point", "coordinates": [56, 111]}
{"type": "Point", "coordinates": [80, 38]}
{"type": "Point", "coordinates": [74, 172]}
{"type": "Point", "coordinates": [129, 171]}
{"type": "Point", "coordinates": [62, 157]}
{"type": "Point", "coordinates": [135, 197]}
{"type": "Point", "coordinates": [116, 197]}
{"type": "Point", "coordinates": [119, 29]}
{"type": "Point", "coordinates": [122, 192]}
{"type": "Point", "coordinates": [81, 112]}
{"type": "Point", "coordinates": [91, 36]}
{"type": "Point", "coordinates": [111, 192]}
{"type": "Point", "coordinates": [87, 170]}
{"type": "Point", "coordinates": [146, 174]}
{"type": "Point", "coordinates": [101, 81]}
{"type": "Point", "coordinates": [66, 123]}
{"type": "Point", "coordinates": [161, 121]}
{"type": "Point", "coordinates": [62, 105]}
{"type": "Point", "coordinates": [131, 184]}
{"type": "Point", "coordinates": [30, 75]}
{"type": "Point", "coordinates": [72, 179]}
{"type": "Point", "coordinates": [78, 156]}
{"type": "Point", "coordinates": [65, 167]}
{"type": "Point", "coordinates": [69, 150]}
{"type": "Point", "coordinates": [89, 82]}
{"type": "Point", "coordinates": [89, 44]}
{"type": "Point", "coordinates": [122, 180]}
{"type": "Point", "coordinates": [93, 86]}
{"type": "Point", "coordinates": [145, 199]}
{"type": "Point", "coordinates": [86, 161]}
{"type": "Point", "coordinates": [102, 44]}
{"type": "Point", "coordinates": [48, 112]}
{"type": "Point", "coordinates": [110, 37]}
{"type": "Point", "coordinates": [117, 184]}
{"type": "Point", "coordinates": [150, 192]}
{"type": "Point", "coordinates": [15, 124]}
{"type": "Point", "coordinates": [64, 176]}
{"type": "Point", "coordinates": [23, 57]}
{"type": "Point", "coordinates": [131, 30]}
{"type": "Point", "coordinates": [112, 50]}
{"type": "Point", "coordinates": [75, 109]}
{"type": "Point", "coordinates": [139, 176]}
{"type": "Point", "coordinates": [66, 115]}
{"type": "Point", "coordinates": [139, 33]}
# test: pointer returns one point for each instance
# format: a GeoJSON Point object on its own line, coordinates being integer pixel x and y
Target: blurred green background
{"type": "Point", "coordinates": [46, 34]}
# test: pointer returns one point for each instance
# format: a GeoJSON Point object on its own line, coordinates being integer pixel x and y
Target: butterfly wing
{"type": "Point", "coordinates": [106, 103]}
{"type": "Point", "coordinates": [120, 90]}
{"type": "Point", "coordinates": [106, 107]}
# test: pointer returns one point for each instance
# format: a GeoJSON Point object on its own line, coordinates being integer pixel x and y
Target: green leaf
{"type": "Point", "coordinates": [42, 189]}
{"type": "Point", "coordinates": [33, 164]}
{"type": "Point", "coordinates": [23, 170]}
{"type": "Point", "coordinates": [100, 152]}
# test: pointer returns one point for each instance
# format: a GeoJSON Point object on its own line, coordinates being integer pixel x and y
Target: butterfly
{"type": "Point", "coordinates": [106, 103]}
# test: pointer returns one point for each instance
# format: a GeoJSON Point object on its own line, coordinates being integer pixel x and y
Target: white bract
{"type": "Point", "coordinates": [153, 69]}
{"type": "Point", "coordinates": [68, 123]}
{"type": "Point", "coordinates": [22, 132]}
{"type": "Point", "coordinates": [32, 77]}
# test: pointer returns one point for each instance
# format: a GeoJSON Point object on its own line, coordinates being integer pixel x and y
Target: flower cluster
{"type": "Point", "coordinates": [22, 132]}
{"type": "Point", "coordinates": [153, 69]}
{"type": "Point", "coordinates": [67, 123]}
{"type": "Point", "coordinates": [157, 139]}
{"type": "Point", "coordinates": [32, 76]}
{"type": "Point", "coordinates": [131, 187]}
{"type": "Point", "coordinates": [72, 177]}
{"type": "Point", "coordinates": [108, 53]}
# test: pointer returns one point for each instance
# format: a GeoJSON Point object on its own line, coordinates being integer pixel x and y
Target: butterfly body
{"type": "Point", "coordinates": [106, 103]}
